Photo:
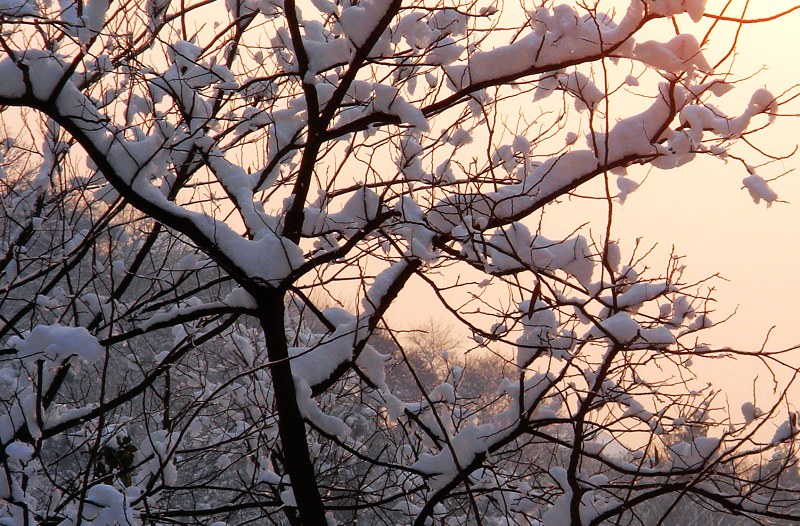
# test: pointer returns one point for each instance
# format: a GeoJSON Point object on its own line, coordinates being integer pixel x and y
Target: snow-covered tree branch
{"type": "Point", "coordinates": [210, 210]}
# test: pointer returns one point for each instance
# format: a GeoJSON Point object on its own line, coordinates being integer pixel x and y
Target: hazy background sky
{"type": "Point", "coordinates": [703, 211]}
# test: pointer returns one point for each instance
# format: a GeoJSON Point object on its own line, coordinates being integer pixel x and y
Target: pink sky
{"type": "Point", "coordinates": [703, 211]}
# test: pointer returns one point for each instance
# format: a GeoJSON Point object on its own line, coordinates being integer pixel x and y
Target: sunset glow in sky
{"type": "Point", "coordinates": [704, 212]}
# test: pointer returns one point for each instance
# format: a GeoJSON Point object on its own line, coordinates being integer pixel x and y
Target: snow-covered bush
{"type": "Point", "coordinates": [209, 208]}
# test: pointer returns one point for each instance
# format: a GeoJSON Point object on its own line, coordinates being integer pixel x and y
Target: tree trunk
{"type": "Point", "coordinates": [291, 427]}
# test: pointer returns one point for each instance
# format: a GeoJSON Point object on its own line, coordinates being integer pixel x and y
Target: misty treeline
{"type": "Point", "coordinates": [211, 213]}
